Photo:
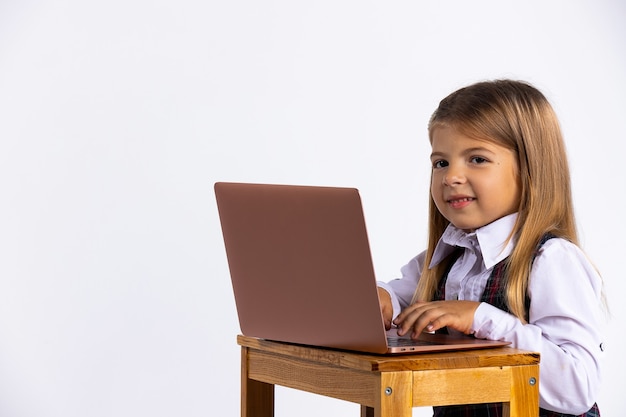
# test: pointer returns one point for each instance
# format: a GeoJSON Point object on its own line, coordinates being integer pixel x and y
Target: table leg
{"type": "Point", "coordinates": [395, 395]}
{"type": "Point", "coordinates": [257, 398]}
{"type": "Point", "coordinates": [367, 411]}
{"type": "Point", "coordinates": [524, 392]}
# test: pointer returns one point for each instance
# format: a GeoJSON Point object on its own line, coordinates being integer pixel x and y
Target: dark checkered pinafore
{"type": "Point", "coordinates": [494, 295]}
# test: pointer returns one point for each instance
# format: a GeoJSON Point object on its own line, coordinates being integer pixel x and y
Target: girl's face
{"type": "Point", "coordinates": [474, 182]}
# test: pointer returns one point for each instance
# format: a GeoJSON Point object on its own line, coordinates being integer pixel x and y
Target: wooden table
{"type": "Point", "coordinates": [389, 386]}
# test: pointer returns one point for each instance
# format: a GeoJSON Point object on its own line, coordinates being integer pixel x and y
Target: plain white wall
{"type": "Point", "coordinates": [117, 117]}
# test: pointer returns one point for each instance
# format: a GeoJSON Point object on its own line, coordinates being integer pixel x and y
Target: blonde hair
{"type": "Point", "coordinates": [517, 116]}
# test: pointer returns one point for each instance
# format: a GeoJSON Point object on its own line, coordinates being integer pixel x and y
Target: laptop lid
{"type": "Point", "coordinates": [301, 267]}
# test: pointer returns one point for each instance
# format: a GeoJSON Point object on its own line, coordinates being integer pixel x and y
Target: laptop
{"type": "Point", "coordinates": [302, 271]}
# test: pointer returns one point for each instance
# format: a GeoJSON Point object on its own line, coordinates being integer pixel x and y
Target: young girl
{"type": "Point", "coordinates": [502, 260]}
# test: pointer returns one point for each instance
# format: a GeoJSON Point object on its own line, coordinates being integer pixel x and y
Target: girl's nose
{"type": "Point", "coordinates": [453, 176]}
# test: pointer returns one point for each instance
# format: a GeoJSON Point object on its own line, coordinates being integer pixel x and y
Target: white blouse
{"type": "Point", "coordinates": [566, 315]}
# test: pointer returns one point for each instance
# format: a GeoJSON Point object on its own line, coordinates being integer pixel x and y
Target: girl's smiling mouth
{"type": "Point", "coordinates": [460, 202]}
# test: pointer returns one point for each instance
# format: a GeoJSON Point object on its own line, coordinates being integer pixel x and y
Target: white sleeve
{"type": "Point", "coordinates": [566, 319]}
{"type": "Point", "coordinates": [402, 289]}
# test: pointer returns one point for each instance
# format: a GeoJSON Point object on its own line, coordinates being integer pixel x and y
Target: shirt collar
{"type": "Point", "coordinates": [491, 239]}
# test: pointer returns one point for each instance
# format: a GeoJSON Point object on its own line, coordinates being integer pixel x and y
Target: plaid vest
{"type": "Point", "coordinates": [493, 294]}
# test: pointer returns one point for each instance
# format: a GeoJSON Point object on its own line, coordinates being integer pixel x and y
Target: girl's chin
{"type": "Point", "coordinates": [467, 227]}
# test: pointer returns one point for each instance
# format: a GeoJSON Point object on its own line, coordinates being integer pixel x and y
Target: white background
{"type": "Point", "coordinates": [116, 118]}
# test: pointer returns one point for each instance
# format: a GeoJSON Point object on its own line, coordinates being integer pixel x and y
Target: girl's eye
{"type": "Point", "coordinates": [440, 164]}
{"type": "Point", "coordinates": [478, 160]}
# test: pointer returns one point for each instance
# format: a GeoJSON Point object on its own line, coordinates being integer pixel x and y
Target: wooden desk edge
{"type": "Point", "coordinates": [501, 356]}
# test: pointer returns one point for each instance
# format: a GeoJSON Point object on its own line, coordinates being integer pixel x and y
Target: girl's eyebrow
{"type": "Point", "coordinates": [478, 149]}
{"type": "Point", "coordinates": [475, 149]}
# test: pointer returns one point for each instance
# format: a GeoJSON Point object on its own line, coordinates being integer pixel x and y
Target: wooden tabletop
{"type": "Point", "coordinates": [474, 358]}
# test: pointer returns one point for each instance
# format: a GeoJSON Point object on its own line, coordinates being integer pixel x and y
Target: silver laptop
{"type": "Point", "coordinates": [302, 271]}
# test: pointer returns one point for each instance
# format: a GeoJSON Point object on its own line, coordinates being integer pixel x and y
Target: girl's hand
{"type": "Point", "coordinates": [434, 315]}
{"type": "Point", "coordinates": [386, 307]}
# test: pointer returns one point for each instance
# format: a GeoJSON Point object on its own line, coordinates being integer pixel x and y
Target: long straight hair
{"type": "Point", "coordinates": [517, 116]}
